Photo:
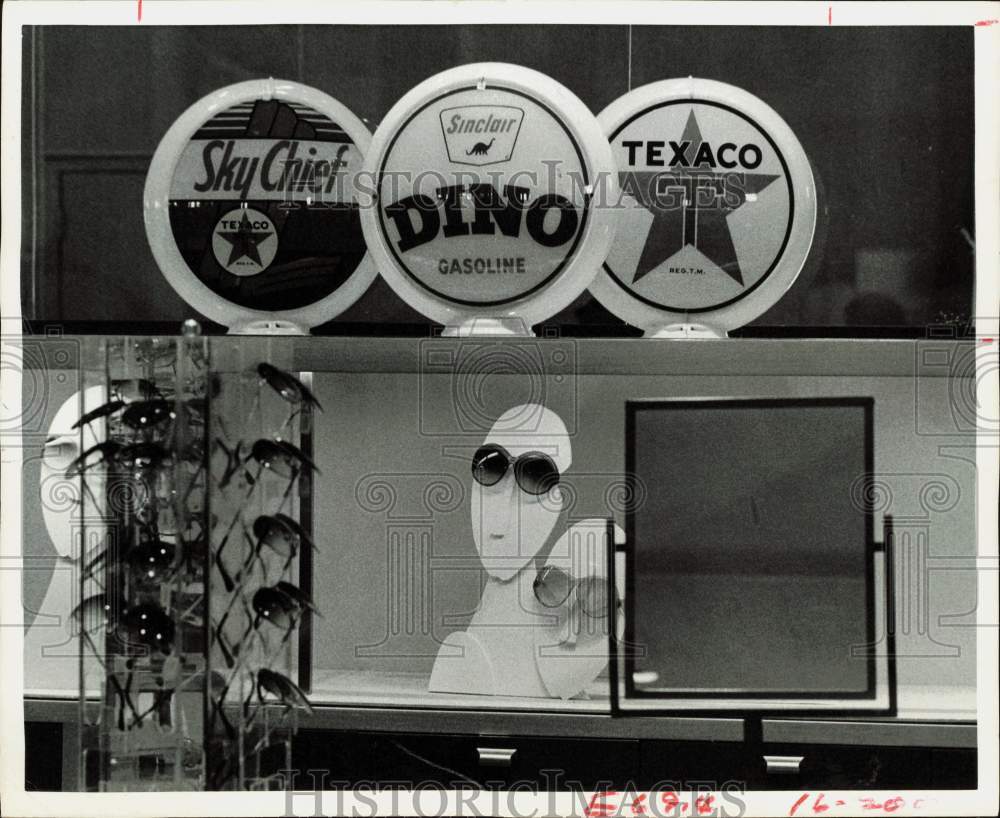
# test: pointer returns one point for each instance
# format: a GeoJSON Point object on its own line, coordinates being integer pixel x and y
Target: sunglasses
{"type": "Point", "coordinates": [127, 393]}
{"type": "Point", "coordinates": [148, 414]}
{"type": "Point", "coordinates": [148, 626]}
{"type": "Point", "coordinates": [94, 613]}
{"type": "Point", "coordinates": [281, 534]}
{"type": "Point", "coordinates": [102, 411]}
{"type": "Point", "coordinates": [534, 472]}
{"type": "Point", "coordinates": [94, 456]}
{"type": "Point", "coordinates": [152, 561]}
{"type": "Point", "coordinates": [267, 681]}
{"type": "Point", "coordinates": [143, 456]}
{"type": "Point", "coordinates": [288, 386]}
{"type": "Point", "coordinates": [553, 586]}
{"type": "Point", "coordinates": [281, 457]}
{"type": "Point", "coordinates": [139, 456]}
{"type": "Point", "coordinates": [286, 691]}
{"type": "Point", "coordinates": [281, 604]}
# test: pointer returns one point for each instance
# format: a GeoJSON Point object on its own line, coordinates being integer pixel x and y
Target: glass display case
{"type": "Point", "coordinates": [395, 503]}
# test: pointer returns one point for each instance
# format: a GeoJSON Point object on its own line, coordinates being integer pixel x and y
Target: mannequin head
{"type": "Point", "coordinates": [62, 447]}
{"type": "Point", "coordinates": [509, 524]}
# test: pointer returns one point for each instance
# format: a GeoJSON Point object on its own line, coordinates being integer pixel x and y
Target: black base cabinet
{"type": "Point", "coordinates": [346, 759]}
{"type": "Point", "coordinates": [333, 759]}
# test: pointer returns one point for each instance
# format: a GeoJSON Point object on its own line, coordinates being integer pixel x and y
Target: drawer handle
{"type": "Point", "coordinates": [783, 765]}
{"type": "Point", "coordinates": [495, 756]}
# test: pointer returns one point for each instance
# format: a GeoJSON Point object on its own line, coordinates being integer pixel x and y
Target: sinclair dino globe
{"type": "Point", "coordinates": [488, 182]}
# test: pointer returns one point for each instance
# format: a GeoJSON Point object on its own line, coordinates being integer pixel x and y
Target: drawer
{"type": "Point", "coordinates": [560, 763]}
{"type": "Point", "coordinates": [841, 767]}
{"type": "Point", "coordinates": [410, 759]}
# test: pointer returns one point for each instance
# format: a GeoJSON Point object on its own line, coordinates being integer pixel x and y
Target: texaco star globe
{"type": "Point", "coordinates": [251, 206]}
{"type": "Point", "coordinates": [718, 206]}
{"type": "Point", "coordinates": [487, 197]}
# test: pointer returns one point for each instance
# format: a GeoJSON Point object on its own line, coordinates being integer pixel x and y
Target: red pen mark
{"type": "Point", "coordinates": [829, 15]}
{"type": "Point", "coordinates": [600, 807]}
{"type": "Point", "coordinates": [638, 807]}
{"type": "Point", "coordinates": [140, 11]}
{"type": "Point", "coordinates": [987, 340]}
{"type": "Point", "coordinates": [841, 803]}
{"type": "Point", "coordinates": [704, 804]}
{"type": "Point", "coordinates": [798, 803]}
{"type": "Point", "coordinates": [987, 22]}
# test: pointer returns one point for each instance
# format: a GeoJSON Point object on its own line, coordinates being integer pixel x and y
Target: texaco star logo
{"type": "Point", "coordinates": [695, 215]}
{"type": "Point", "coordinates": [710, 206]}
{"type": "Point", "coordinates": [245, 241]}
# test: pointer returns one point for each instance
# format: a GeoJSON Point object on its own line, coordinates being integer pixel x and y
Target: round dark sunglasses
{"type": "Point", "coordinates": [553, 586]}
{"type": "Point", "coordinates": [534, 472]}
{"type": "Point", "coordinates": [148, 626]}
{"type": "Point", "coordinates": [152, 560]}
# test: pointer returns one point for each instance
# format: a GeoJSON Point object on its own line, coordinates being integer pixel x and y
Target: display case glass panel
{"type": "Point", "coordinates": [396, 571]}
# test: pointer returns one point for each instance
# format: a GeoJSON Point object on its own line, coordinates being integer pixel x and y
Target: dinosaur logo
{"type": "Point", "coordinates": [480, 134]}
{"type": "Point", "coordinates": [480, 148]}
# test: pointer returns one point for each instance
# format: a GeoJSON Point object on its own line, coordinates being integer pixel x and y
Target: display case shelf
{"type": "Point", "coordinates": [929, 357]}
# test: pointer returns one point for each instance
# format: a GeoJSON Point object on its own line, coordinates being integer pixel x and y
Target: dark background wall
{"type": "Point", "coordinates": [884, 113]}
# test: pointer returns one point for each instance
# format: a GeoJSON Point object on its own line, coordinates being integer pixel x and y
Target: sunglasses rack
{"type": "Point", "coordinates": [188, 606]}
{"type": "Point", "coordinates": [258, 475]}
{"type": "Point", "coordinates": [142, 607]}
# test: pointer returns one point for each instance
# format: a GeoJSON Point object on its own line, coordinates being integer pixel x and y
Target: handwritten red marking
{"type": "Point", "coordinates": [140, 11]}
{"type": "Point", "coordinates": [638, 807]}
{"type": "Point", "coordinates": [819, 806]}
{"type": "Point", "coordinates": [987, 22]}
{"type": "Point", "coordinates": [600, 808]}
{"type": "Point", "coordinates": [893, 804]}
{"type": "Point", "coordinates": [829, 15]}
{"type": "Point", "coordinates": [798, 803]}
{"type": "Point", "coordinates": [704, 804]}
{"type": "Point", "coordinates": [987, 340]}
{"type": "Point", "coordinates": [669, 801]}
{"type": "Point", "coordinates": [684, 806]}
{"type": "Point", "coordinates": [841, 803]}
